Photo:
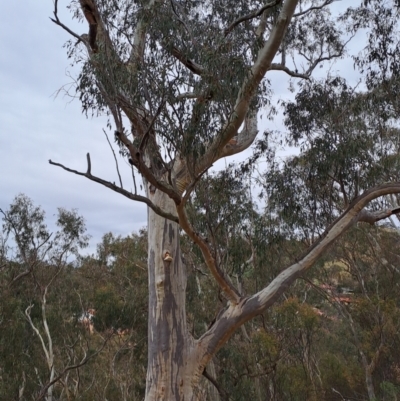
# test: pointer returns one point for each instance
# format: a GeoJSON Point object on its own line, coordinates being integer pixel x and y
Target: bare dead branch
{"type": "Point", "coordinates": [57, 21]}
{"type": "Point", "coordinates": [89, 164]}
{"type": "Point", "coordinates": [121, 191]}
{"type": "Point", "coordinates": [133, 178]}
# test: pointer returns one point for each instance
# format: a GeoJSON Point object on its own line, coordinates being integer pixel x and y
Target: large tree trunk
{"type": "Point", "coordinates": [173, 370]}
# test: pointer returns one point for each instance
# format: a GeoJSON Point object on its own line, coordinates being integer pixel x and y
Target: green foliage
{"type": "Point", "coordinates": [301, 349]}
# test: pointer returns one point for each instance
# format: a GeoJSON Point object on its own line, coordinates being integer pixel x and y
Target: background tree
{"type": "Point", "coordinates": [183, 82]}
{"type": "Point", "coordinates": [35, 264]}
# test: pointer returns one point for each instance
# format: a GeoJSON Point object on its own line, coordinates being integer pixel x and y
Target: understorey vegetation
{"type": "Point", "coordinates": [75, 327]}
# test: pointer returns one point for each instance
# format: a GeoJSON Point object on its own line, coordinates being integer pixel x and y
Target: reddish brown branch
{"type": "Point", "coordinates": [223, 281]}
{"type": "Point", "coordinates": [88, 9]}
{"type": "Point", "coordinates": [222, 393]}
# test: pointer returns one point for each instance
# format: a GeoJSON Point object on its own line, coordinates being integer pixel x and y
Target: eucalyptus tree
{"type": "Point", "coordinates": [35, 266]}
{"type": "Point", "coordinates": [348, 145]}
{"type": "Point", "coordinates": [183, 83]}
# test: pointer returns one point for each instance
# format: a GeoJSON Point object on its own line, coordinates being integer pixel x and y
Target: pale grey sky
{"type": "Point", "coordinates": [35, 126]}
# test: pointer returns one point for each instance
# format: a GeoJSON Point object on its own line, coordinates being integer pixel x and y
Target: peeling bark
{"type": "Point", "coordinates": [172, 372]}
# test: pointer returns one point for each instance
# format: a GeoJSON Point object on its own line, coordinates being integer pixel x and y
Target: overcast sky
{"type": "Point", "coordinates": [36, 126]}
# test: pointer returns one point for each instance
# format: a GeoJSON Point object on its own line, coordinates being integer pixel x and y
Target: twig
{"type": "Point", "coordinates": [149, 128]}
{"type": "Point", "coordinates": [57, 21]}
{"type": "Point", "coordinates": [84, 361]}
{"type": "Point", "coordinates": [133, 178]}
{"type": "Point", "coordinates": [115, 158]}
{"type": "Point", "coordinates": [89, 164]}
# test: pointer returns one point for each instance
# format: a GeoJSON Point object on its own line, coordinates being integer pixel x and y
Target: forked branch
{"type": "Point", "coordinates": [308, 10]}
{"type": "Point", "coordinates": [57, 21]}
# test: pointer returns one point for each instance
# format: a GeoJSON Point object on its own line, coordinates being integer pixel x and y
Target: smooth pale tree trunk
{"type": "Point", "coordinates": [173, 371]}
{"type": "Point", "coordinates": [369, 383]}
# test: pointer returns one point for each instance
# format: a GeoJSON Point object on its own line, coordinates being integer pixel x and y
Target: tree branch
{"type": "Point", "coordinates": [121, 191]}
{"type": "Point", "coordinates": [57, 21]}
{"type": "Point", "coordinates": [235, 315]}
{"type": "Point", "coordinates": [373, 217]}
{"type": "Point", "coordinates": [137, 161]}
{"type": "Point", "coordinates": [223, 281]}
{"type": "Point", "coordinates": [252, 15]}
{"type": "Point", "coordinates": [249, 86]}
{"type": "Point", "coordinates": [115, 159]}
{"type": "Point", "coordinates": [294, 74]}
{"type": "Point", "coordinates": [244, 139]}
{"type": "Point", "coordinates": [324, 4]}
{"type": "Point", "coordinates": [189, 64]}
{"type": "Point", "coordinates": [222, 393]}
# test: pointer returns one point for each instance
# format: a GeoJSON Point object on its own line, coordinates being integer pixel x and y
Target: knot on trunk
{"type": "Point", "coordinates": [167, 256]}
